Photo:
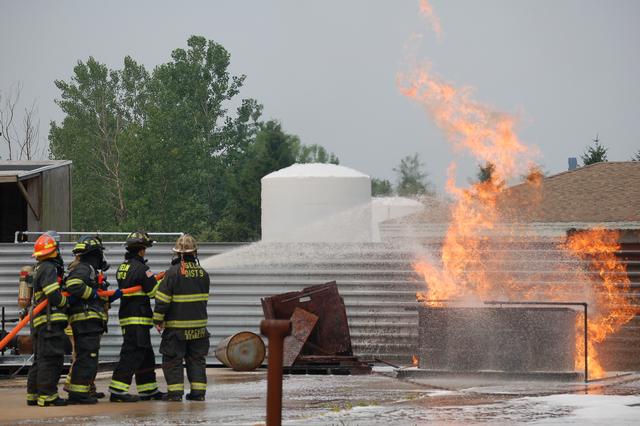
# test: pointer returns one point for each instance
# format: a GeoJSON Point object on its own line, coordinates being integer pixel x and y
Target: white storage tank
{"type": "Point", "coordinates": [316, 203]}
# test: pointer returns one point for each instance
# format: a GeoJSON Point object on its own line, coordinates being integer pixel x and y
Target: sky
{"type": "Point", "coordinates": [327, 69]}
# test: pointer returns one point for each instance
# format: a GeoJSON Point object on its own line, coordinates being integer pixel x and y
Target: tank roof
{"type": "Point", "coordinates": [315, 170]}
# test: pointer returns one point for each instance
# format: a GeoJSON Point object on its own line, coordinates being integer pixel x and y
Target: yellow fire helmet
{"type": "Point", "coordinates": [185, 244]}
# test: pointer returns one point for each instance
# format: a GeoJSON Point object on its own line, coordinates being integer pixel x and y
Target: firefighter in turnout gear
{"type": "Point", "coordinates": [136, 320]}
{"type": "Point", "coordinates": [181, 314]}
{"type": "Point", "coordinates": [48, 326]}
{"type": "Point", "coordinates": [87, 317]}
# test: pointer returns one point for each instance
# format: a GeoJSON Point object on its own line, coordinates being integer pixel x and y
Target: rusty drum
{"type": "Point", "coordinates": [243, 351]}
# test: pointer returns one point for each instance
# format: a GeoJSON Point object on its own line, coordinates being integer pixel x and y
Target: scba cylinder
{"type": "Point", "coordinates": [25, 286]}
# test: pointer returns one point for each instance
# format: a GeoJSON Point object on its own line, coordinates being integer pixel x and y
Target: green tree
{"type": "Point", "coordinates": [485, 172]}
{"type": "Point", "coordinates": [313, 154]}
{"type": "Point", "coordinates": [595, 153]}
{"type": "Point", "coordinates": [191, 139]}
{"type": "Point", "coordinates": [273, 150]}
{"type": "Point", "coordinates": [104, 113]}
{"type": "Point", "coordinates": [381, 187]}
{"type": "Point", "coordinates": [162, 150]}
{"type": "Point", "coordinates": [152, 150]}
{"type": "Point", "coordinates": [412, 179]}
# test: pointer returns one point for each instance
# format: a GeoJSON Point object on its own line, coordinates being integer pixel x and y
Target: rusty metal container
{"type": "Point", "coordinates": [242, 351]}
{"type": "Point", "coordinates": [331, 334]}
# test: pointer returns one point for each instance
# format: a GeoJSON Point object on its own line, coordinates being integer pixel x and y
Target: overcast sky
{"type": "Point", "coordinates": [326, 68]}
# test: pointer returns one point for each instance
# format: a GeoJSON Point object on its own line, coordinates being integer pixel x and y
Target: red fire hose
{"type": "Point", "coordinates": [24, 321]}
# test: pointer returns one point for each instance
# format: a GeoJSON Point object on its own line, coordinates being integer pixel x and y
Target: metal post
{"type": "Point", "coordinates": [276, 331]}
{"type": "Point", "coordinates": [2, 327]}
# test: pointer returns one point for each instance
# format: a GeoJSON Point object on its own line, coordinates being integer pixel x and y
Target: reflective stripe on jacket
{"type": "Point", "coordinates": [181, 299]}
{"type": "Point", "coordinates": [46, 286]}
{"type": "Point", "coordinates": [135, 308]}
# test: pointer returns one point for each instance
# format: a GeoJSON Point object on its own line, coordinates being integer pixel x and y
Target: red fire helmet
{"type": "Point", "coordinates": [45, 244]}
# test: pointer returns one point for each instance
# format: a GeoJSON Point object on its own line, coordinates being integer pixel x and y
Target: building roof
{"type": "Point", "coordinates": [313, 170]}
{"type": "Point", "coordinates": [15, 170]}
{"type": "Point", "coordinates": [606, 194]}
{"type": "Point", "coordinates": [601, 192]}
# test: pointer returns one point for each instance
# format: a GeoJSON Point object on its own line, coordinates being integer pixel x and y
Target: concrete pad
{"type": "Point", "coordinates": [238, 398]}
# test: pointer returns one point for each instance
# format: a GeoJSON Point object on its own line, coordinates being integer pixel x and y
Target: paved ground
{"type": "Point", "coordinates": [377, 399]}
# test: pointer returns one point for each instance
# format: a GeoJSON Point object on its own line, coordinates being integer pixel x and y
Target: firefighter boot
{"type": "Point", "coordinates": [58, 402]}
{"type": "Point", "coordinates": [172, 396]}
{"type": "Point", "coordinates": [123, 397]}
{"type": "Point", "coordinates": [195, 396]}
{"type": "Point", "coordinates": [79, 398]}
{"type": "Point", "coordinates": [156, 396]}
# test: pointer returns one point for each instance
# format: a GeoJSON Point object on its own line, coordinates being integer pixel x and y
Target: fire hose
{"type": "Point", "coordinates": [24, 321]}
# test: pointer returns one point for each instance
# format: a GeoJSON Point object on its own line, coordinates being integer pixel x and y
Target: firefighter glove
{"type": "Point", "coordinates": [117, 294]}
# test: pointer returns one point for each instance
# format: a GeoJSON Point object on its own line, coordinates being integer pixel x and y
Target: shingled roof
{"type": "Point", "coordinates": [601, 192]}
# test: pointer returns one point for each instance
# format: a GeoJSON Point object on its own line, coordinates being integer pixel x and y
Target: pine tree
{"type": "Point", "coordinates": [595, 153]}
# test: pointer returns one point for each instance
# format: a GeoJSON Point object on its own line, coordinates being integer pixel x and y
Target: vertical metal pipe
{"type": "Point", "coordinates": [276, 331]}
{"type": "Point", "coordinates": [2, 327]}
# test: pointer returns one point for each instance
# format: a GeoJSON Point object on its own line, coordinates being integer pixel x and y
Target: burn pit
{"type": "Point", "coordinates": [507, 339]}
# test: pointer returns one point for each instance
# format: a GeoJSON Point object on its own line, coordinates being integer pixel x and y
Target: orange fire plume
{"type": "Point", "coordinates": [489, 136]}
{"type": "Point", "coordinates": [414, 360]}
{"type": "Point", "coordinates": [474, 265]}
{"type": "Point", "coordinates": [611, 307]}
{"type": "Point", "coordinates": [427, 11]}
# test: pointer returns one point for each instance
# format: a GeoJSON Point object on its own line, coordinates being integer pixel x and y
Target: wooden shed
{"type": "Point", "coordinates": [34, 196]}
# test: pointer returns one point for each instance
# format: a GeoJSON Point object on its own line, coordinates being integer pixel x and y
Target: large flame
{"type": "Point", "coordinates": [474, 264]}
{"type": "Point", "coordinates": [490, 137]}
{"type": "Point", "coordinates": [611, 308]}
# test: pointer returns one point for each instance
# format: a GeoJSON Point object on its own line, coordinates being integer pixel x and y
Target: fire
{"type": "Point", "coordinates": [473, 264]}
{"type": "Point", "coordinates": [427, 11]}
{"type": "Point", "coordinates": [610, 308]}
{"type": "Point", "coordinates": [414, 360]}
{"type": "Point", "coordinates": [488, 135]}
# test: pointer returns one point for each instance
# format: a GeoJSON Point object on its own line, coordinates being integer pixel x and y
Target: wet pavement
{"type": "Point", "coordinates": [377, 399]}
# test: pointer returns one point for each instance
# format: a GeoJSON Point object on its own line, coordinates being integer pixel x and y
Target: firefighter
{"type": "Point", "coordinates": [181, 315]}
{"type": "Point", "coordinates": [87, 317]}
{"type": "Point", "coordinates": [69, 332]}
{"type": "Point", "coordinates": [48, 326]}
{"type": "Point", "coordinates": [136, 320]}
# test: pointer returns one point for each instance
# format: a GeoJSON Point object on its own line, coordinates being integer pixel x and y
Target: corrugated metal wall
{"type": "Point", "coordinates": [376, 281]}
{"type": "Point", "coordinates": [14, 256]}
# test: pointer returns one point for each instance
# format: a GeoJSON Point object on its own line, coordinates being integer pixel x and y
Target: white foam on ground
{"type": "Point", "coordinates": [593, 409]}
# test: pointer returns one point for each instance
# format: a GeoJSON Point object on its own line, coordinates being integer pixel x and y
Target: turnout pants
{"type": "Point", "coordinates": [85, 366]}
{"type": "Point", "coordinates": [177, 346]}
{"type": "Point", "coordinates": [72, 343]}
{"type": "Point", "coordinates": [48, 359]}
{"type": "Point", "coordinates": [136, 357]}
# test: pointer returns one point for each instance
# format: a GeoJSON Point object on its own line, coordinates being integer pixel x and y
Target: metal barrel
{"type": "Point", "coordinates": [242, 351]}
